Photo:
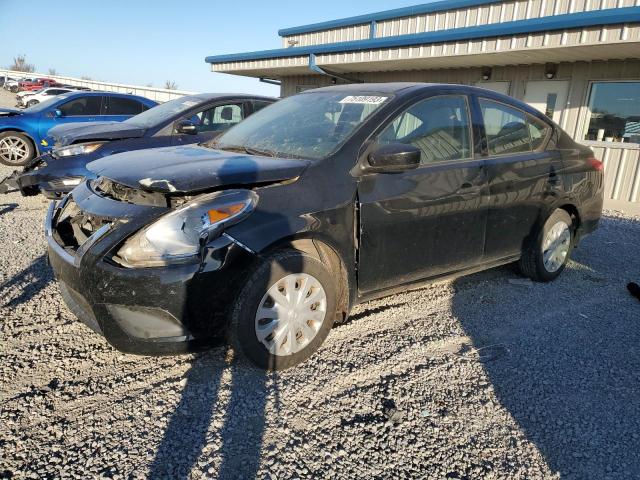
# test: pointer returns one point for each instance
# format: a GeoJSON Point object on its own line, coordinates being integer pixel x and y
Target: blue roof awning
{"type": "Point", "coordinates": [558, 22]}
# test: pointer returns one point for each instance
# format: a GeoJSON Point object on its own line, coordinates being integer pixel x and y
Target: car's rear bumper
{"type": "Point", "coordinates": [160, 310]}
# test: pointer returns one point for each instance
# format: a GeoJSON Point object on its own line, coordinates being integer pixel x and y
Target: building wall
{"type": "Point", "coordinates": [622, 162]}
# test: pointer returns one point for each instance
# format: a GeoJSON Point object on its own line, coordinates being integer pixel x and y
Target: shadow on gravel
{"type": "Point", "coordinates": [7, 207]}
{"type": "Point", "coordinates": [569, 374]}
{"type": "Point", "coordinates": [237, 438]}
{"type": "Point", "coordinates": [29, 282]}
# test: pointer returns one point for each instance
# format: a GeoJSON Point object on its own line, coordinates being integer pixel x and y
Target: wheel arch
{"type": "Point", "coordinates": [325, 250]}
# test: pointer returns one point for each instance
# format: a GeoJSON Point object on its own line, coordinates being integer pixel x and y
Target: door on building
{"type": "Point", "coordinates": [548, 96]}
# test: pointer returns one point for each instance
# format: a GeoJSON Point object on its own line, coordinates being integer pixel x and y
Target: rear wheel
{"type": "Point", "coordinates": [284, 311]}
{"type": "Point", "coordinates": [545, 259]}
{"type": "Point", "coordinates": [16, 149]}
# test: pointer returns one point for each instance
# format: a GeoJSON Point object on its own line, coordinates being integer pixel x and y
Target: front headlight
{"type": "Point", "coordinates": [177, 237]}
{"type": "Point", "coordinates": [78, 149]}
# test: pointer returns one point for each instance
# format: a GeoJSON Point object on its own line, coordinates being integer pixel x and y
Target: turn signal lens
{"type": "Point", "coordinates": [219, 214]}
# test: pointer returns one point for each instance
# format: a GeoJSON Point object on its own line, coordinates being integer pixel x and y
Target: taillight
{"type": "Point", "coordinates": [596, 164]}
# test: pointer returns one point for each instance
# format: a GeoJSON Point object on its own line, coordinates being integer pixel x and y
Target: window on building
{"type": "Point", "coordinates": [506, 128]}
{"type": "Point", "coordinates": [615, 112]}
{"type": "Point", "coordinates": [438, 126]}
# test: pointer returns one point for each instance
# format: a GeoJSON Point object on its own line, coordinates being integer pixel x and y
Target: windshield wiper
{"type": "Point", "coordinates": [243, 149]}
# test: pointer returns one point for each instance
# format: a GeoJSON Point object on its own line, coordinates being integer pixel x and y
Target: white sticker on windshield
{"type": "Point", "coordinates": [189, 103]}
{"type": "Point", "coordinates": [363, 99]}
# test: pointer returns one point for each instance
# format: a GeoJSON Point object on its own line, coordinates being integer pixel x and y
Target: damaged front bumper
{"type": "Point", "coordinates": [155, 310]}
{"type": "Point", "coordinates": [35, 178]}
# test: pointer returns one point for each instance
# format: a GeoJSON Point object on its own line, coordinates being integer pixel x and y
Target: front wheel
{"type": "Point", "coordinates": [284, 311]}
{"type": "Point", "coordinates": [16, 149]}
{"type": "Point", "coordinates": [545, 259]}
{"type": "Point", "coordinates": [31, 103]}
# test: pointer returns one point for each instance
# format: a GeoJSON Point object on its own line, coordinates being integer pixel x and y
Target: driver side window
{"type": "Point", "coordinates": [438, 126]}
{"type": "Point", "coordinates": [217, 118]}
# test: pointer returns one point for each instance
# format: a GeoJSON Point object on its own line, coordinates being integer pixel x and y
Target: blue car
{"type": "Point", "coordinates": [24, 133]}
{"type": "Point", "coordinates": [191, 119]}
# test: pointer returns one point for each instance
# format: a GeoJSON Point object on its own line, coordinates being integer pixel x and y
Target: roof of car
{"type": "Point", "coordinates": [411, 88]}
{"type": "Point", "coordinates": [94, 93]}
{"type": "Point", "coordinates": [213, 96]}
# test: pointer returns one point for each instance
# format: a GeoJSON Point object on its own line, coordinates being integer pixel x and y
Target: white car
{"type": "Point", "coordinates": [12, 85]}
{"type": "Point", "coordinates": [29, 99]}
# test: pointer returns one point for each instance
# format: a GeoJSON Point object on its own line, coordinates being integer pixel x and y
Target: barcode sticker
{"type": "Point", "coordinates": [363, 99]}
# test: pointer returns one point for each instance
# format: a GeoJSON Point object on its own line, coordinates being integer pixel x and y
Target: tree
{"type": "Point", "coordinates": [170, 85]}
{"type": "Point", "coordinates": [20, 64]}
{"type": "Point", "coordinates": [53, 72]}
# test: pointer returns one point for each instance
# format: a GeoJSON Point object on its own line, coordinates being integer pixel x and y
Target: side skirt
{"type": "Point", "coordinates": [439, 278]}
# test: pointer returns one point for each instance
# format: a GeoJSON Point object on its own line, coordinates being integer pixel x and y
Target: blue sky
{"type": "Point", "coordinates": [141, 42]}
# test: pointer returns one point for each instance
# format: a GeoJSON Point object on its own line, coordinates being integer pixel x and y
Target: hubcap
{"type": "Point", "coordinates": [290, 314]}
{"type": "Point", "coordinates": [556, 246]}
{"type": "Point", "coordinates": [13, 149]}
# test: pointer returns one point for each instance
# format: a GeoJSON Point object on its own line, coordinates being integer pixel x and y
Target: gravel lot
{"type": "Point", "coordinates": [477, 378]}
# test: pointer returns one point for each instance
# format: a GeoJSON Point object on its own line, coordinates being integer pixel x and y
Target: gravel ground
{"type": "Point", "coordinates": [483, 377]}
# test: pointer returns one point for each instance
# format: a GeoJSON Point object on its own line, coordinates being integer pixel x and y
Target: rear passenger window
{"type": "Point", "coordinates": [538, 131]}
{"type": "Point", "coordinates": [123, 106]}
{"type": "Point", "coordinates": [82, 106]}
{"type": "Point", "coordinates": [506, 128]}
{"type": "Point", "coordinates": [438, 126]}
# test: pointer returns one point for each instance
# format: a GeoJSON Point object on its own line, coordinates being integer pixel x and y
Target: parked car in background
{"type": "Point", "coordinates": [38, 84]}
{"type": "Point", "coordinates": [12, 85]}
{"type": "Point", "coordinates": [29, 99]}
{"type": "Point", "coordinates": [267, 235]}
{"type": "Point", "coordinates": [190, 119]}
{"type": "Point", "coordinates": [23, 133]}
{"type": "Point", "coordinates": [5, 78]}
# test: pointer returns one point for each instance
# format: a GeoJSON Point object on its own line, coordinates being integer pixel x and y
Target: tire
{"type": "Point", "coordinates": [16, 149]}
{"type": "Point", "coordinates": [31, 103]}
{"type": "Point", "coordinates": [532, 263]}
{"type": "Point", "coordinates": [274, 272]}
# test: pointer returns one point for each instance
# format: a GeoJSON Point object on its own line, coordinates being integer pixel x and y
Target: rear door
{"type": "Point", "coordinates": [429, 221]}
{"type": "Point", "coordinates": [118, 109]}
{"type": "Point", "coordinates": [211, 121]}
{"type": "Point", "coordinates": [522, 175]}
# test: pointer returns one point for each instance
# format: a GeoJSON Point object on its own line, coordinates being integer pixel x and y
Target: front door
{"type": "Point", "coordinates": [77, 109]}
{"type": "Point", "coordinates": [211, 122]}
{"type": "Point", "coordinates": [548, 97]}
{"type": "Point", "coordinates": [428, 221]}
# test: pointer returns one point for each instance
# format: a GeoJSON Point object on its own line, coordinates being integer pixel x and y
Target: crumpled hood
{"type": "Point", "coordinates": [70, 133]}
{"type": "Point", "coordinates": [192, 168]}
{"type": "Point", "coordinates": [9, 111]}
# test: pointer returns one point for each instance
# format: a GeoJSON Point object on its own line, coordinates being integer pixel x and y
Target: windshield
{"type": "Point", "coordinates": [162, 112]}
{"type": "Point", "coordinates": [310, 125]}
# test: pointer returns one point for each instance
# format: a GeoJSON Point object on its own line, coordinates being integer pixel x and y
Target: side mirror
{"type": "Point", "coordinates": [58, 113]}
{"type": "Point", "coordinates": [186, 127]}
{"type": "Point", "coordinates": [395, 157]}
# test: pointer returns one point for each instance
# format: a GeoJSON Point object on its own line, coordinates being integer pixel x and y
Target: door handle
{"type": "Point", "coordinates": [466, 186]}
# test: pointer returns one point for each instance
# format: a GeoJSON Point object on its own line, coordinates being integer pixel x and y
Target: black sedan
{"type": "Point", "coordinates": [190, 119]}
{"type": "Point", "coordinates": [275, 230]}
